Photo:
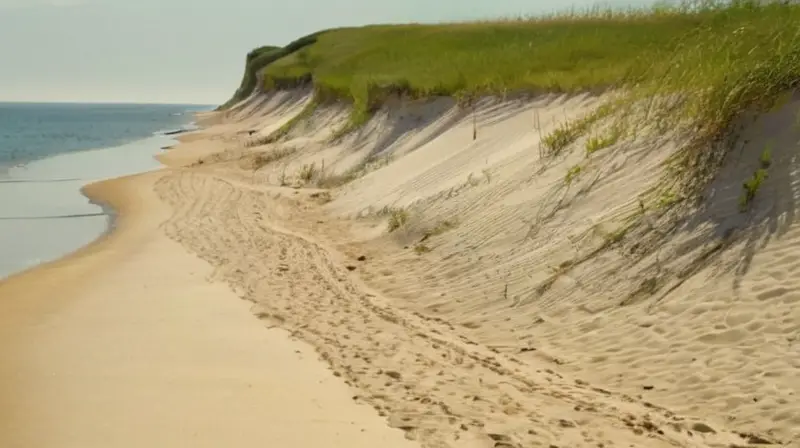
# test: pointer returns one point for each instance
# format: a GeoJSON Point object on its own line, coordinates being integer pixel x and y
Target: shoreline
{"type": "Point", "coordinates": [86, 166]}
{"type": "Point", "coordinates": [168, 337]}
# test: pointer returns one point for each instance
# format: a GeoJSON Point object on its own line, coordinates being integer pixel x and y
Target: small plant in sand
{"type": "Point", "coordinates": [282, 179]}
{"type": "Point", "coordinates": [766, 157]}
{"type": "Point", "coordinates": [753, 184]}
{"type": "Point", "coordinates": [597, 143]}
{"type": "Point", "coordinates": [420, 249]}
{"type": "Point", "coordinates": [567, 133]}
{"type": "Point", "coordinates": [559, 139]}
{"type": "Point", "coordinates": [398, 218]}
{"type": "Point", "coordinates": [474, 124]}
{"type": "Point", "coordinates": [751, 187]}
{"type": "Point", "coordinates": [308, 172]}
{"type": "Point", "coordinates": [572, 174]}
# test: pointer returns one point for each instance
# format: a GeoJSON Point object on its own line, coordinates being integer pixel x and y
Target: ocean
{"type": "Point", "coordinates": [48, 152]}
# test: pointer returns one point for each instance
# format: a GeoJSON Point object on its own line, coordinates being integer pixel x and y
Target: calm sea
{"type": "Point", "coordinates": [34, 131]}
{"type": "Point", "coordinates": [48, 152]}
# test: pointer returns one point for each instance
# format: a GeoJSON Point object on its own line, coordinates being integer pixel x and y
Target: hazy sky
{"type": "Point", "coordinates": [184, 51]}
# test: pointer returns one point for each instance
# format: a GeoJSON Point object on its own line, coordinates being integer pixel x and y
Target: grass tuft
{"type": "Point", "coordinates": [567, 133]}
{"type": "Point", "coordinates": [751, 187]}
{"type": "Point", "coordinates": [398, 218]}
{"type": "Point", "coordinates": [308, 172]}
{"type": "Point", "coordinates": [594, 144]}
{"type": "Point", "coordinates": [420, 249]}
{"type": "Point", "coordinates": [572, 174]}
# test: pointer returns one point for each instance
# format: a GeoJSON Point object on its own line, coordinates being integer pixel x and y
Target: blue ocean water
{"type": "Point", "coordinates": [48, 152]}
{"type": "Point", "coordinates": [32, 131]}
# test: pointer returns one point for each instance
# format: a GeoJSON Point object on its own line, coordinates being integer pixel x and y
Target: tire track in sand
{"type": "Point", "coordinates": [436, 385]}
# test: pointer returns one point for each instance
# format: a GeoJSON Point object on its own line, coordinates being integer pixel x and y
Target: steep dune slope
{"type": "Point", "coordinates": [436, 227]}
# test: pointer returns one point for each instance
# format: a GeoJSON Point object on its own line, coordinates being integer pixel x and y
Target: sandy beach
{"type": "Point", "coordinates": [126, 344]}
{"type": "Point", "coordinates": [427, 281]}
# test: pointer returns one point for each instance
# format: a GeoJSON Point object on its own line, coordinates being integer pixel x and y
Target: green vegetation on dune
{"type": "Point", "coordinates": [696, 65]}
{"type": "Point", "coordinates": [712, 48]}
{"type": "Point", "coordinates": [699, 64]}
{"type": "Point", "coordinates": [484, 57]}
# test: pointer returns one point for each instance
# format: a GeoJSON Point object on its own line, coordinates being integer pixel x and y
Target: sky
{"type": "Point", "coordinates": [186, 51]}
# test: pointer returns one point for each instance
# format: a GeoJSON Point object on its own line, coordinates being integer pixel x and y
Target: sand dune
{"type": "Point", "coordinates": [512, 306]}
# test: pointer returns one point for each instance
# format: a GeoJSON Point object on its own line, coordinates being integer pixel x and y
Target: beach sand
{"type": "Point", "coordinates": [471, 290]}
{"type": "Point", "coordinates": [125, 344]}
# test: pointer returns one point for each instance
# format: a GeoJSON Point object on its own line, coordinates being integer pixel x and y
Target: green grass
{"type": "Point", "coordinates": [750, 187]}
{"type": "Point", "coordinates": [766, 157]}
{"type": "Point", "coordinates": [609, 138]}
{"type": "Point", "coordinates": [695, 67]}
{"type": "Point", "coordinates": [567, 54]}
{"type": "Point", "coordinates": [572, 174]}
{"type": "Point", "coordinates": [568, 132]}
{"type": "Point", "coordinates": [571, 53]}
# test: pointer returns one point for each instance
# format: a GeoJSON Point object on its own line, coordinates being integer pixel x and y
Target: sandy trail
{"type": "Point", "coordinates": [126, 344]}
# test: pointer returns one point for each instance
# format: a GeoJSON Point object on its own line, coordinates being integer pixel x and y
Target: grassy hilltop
{"type": "Point", "coordinates": [708, 45]}
{"type": "Point", "coordinates": [712, 59]}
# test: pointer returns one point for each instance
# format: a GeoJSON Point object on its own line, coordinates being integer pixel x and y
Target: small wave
{"type": "Point", "coordinates": [76, 215]}
{"type": "Point", "coordinates": [188, 127]}
{"type": "Point", "coordinates": [175, 132]}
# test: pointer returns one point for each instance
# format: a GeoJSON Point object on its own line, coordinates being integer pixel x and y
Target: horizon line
{"type": "Point", "coordinates": [109, 103]}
